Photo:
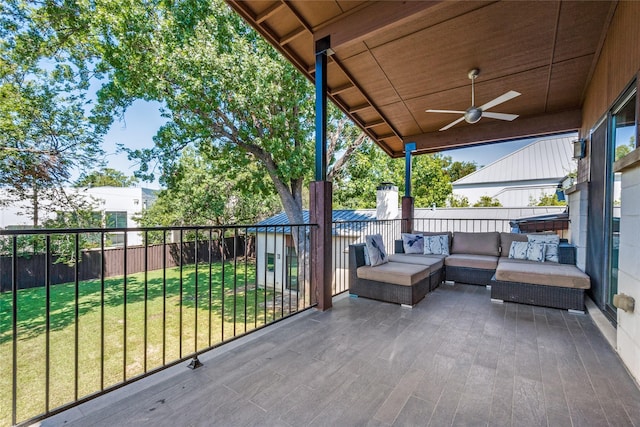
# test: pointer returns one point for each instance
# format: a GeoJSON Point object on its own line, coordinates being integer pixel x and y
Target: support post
{"type": "Point", "coordinates": [320, 193]}
{"type": "Point", "coordinates": [322, 51]}
{"type": "Point", "coordinates": [321, 274]}
{"type": "Point", "coordinates": [407, 214]}
{"type": "Point", "coordinates": [407, 200]}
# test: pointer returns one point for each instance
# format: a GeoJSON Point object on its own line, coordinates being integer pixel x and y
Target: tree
{"type": "Point", "coordinates": [44, 129]}
{"type": "Point", "coordinates": [458, 169]}
{"type": "Point", "coordinates": [547, 200]}
{"type": "Point", "coordinates": [624, 149]}
{"type": "Point", "coordinates": [368, 167]}
{"type": "Point", "coordinates": [456, 201]}
{"type": "Point", "coordinates": [105, 177]}
{"type": "Point", "coordinates": [200, 194]}
{"type": "Point", "coordinates": [487, 202]}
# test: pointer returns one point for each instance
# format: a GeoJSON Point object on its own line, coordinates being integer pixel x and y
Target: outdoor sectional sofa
{"type": "Point", "coordinates": [474, 258]}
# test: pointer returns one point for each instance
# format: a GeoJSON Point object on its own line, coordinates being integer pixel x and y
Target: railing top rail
{"type": "Point", "coordinates": [50, 231]}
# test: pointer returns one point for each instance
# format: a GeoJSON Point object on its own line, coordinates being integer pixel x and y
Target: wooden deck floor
{"type": "Point", "coordinates": [454, 359]}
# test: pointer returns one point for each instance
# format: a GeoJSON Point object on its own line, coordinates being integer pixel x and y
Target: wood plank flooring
{"type": "Point", "coordinates": [455, 359]}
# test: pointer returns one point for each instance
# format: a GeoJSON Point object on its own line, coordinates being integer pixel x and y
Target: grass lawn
{"type": "Point", "coordinates": [122, 325]}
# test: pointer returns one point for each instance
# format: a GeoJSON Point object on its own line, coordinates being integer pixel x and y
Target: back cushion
{"type": "Point", "coordinates": [437, 233]}
{"type": "Point", "coordinates": [507, 238]}
{"type": "Point", "coordinates": [487, 243]}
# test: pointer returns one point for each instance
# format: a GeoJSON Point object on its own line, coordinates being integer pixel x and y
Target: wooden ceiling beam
{"type": "Point", "coordinates": [374, 124]}
{"type": "Point", "coordinates": [339, 90]}
{"type": "Point", "coordinates": [263, 16]}
{"type": "Point", "coordinates": [288, 38]}
{"type": "Point", "coordinates": [494, 130]}
{"type": "Point", "coordinates": [373, 18]}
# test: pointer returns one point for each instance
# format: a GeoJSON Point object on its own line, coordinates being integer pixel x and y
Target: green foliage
{"type": "Point", "coordinates": [206, 193]}
{"type": "Point", "coordinates": [456, 201]}
{"type": "Point", "coordinates": [547, 200]}
{"type": "Point", "coordinates": [457, 169]}
{"type": "Point", "coordinates": [487, 202]}
{"type": "Point", "coordinates": [105, 177]}
{"type": "Point", "coordinates": [44, 129]}
{"type": "Point", "coordinates": [368, 166]}
{"type": "Point", "coordinates": [624, 149]}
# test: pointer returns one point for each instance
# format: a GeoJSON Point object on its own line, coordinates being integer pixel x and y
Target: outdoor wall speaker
{"type": "Point", "coordinates": [579, 148]}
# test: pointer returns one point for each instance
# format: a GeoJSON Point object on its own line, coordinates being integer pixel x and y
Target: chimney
{"type": "Point", "coordinates": [387, 201]}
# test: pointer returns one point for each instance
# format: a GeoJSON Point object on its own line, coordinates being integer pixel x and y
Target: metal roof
{"type": "Point", "coordinates": [545, 159]}
{"type": "Point", "coordinates": [279, 222]}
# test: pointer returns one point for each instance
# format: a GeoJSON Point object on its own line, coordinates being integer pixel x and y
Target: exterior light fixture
{"type": "Point", "coordinates": [579, 148]}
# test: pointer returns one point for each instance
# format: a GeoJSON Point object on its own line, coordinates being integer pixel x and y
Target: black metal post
{"type": "Point", "coordinates": [322, 51]}
{"type": "Point", "coordinates": [408, 148]}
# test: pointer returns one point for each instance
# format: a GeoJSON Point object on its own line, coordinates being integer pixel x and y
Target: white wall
{"type": "Point", "coordinates": [578, 202]}
{"type": "Point", "coordinates": [628, 331]}
{"type": "Point", "coordinates": [271, 243]}
{"type": "Point", "coordinates": [109, 199]}
{"type": "Point", "coordinates": [512, 195]}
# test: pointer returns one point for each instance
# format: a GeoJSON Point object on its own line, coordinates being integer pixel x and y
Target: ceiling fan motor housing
{"type": "Point", "coordinates": [472, 114]}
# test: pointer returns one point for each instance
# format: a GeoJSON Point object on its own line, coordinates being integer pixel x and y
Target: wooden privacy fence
{"type": "Point", "coordinates": [32, 270]}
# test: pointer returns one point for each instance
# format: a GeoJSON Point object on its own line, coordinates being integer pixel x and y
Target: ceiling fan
{"type": "Point", "coordinates": [473, 114]}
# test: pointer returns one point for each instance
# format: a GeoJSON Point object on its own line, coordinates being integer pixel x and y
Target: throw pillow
{"type": "Point", "coordinates": [551, 242]}
{"type": "Point", "coordinates": [518, 250]}
{"type": "Point", "coordinates": [412, 243]}
{"type": "Point", "coordinates": [375, 247]}
{"type": "Point", "coordinates": [535, 251]}
{"type": "Point", "coordinates": [436, 245]}
{"type": "Point", "coordinates": [367, 261]}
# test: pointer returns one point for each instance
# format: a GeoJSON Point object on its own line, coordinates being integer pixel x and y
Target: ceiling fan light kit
{"type": "Point", "coordinates": [473, 114]}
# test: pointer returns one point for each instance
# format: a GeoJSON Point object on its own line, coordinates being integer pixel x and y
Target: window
{"type": "Point", "coordinates": [271, 263]}
{"type": "Point", "coordinates": [117, 219]}
{"type": "Point", "coordinates": [623, 141]}
{"type": "Point", "coordinates": [292, 269]}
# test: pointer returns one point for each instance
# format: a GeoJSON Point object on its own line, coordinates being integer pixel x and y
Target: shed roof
{"type": "Point", "coordinates": [279, 222]}
{"type": "Point", "coordinates": [544, 159]}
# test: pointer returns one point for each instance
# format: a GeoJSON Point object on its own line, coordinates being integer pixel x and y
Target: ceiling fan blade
{"type": "Point", "coordinates": [444, 111]}
{"type": "Point", "coordinates": [499, 116]}
{"type": "Point", "coordinates": [499, 100]}
{"type": "Point", "coordinates": [455, 122]}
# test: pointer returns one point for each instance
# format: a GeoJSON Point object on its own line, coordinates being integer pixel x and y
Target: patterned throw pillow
{"type": "Point", "coordinates": [436, 245]}
{"type": "Point", "coordinates": [527, 250]}
{"type": "Point", "coordinates": [518, 250]}
{"type": "Point", "coordinates": [375, 247]}
{"type": "Point", "coordinates": [367, 261]}
{"type": "Point", "coordinates": [551, 242]}
{"type": "Point", "coordinates": [535, 251]}
{"type": "Point", "coordinates": [413, 243]}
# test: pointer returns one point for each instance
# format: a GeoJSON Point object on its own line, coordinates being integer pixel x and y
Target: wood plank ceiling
{"type": "Point", "coordinates": [393, 60]}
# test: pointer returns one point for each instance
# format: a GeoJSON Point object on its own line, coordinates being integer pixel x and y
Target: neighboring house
{"type": "Point", "coordinates": [117, 206]}
{"type": "Point", "coordinates": [536, 170]}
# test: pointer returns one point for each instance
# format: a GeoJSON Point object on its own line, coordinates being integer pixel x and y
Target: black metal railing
{"type": "Point", "coordinates": [346, 233]}
{"type": "Point", "coordinates": [80, 318]}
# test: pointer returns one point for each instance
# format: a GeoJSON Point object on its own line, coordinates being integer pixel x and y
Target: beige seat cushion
{"type": "Point", "coordinates": [398, 273]}
{"type": "Point", "coordinates": [487, 243]}
{"type": "Point", "coordinates": [542, 273]}
{"type": "Point", "coordinates": [507, 238]}
{"type": "Point", "coordinates": [485, 262]}
{"type": "Point", "coordinates": [433, 261]}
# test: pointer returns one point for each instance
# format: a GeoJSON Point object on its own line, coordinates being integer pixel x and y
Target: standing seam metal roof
{"type": "Point", "coordinates": [542, 159]}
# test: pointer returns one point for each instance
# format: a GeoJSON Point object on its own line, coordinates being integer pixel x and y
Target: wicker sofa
{"type": "Point", "coordinates": [475, 258]}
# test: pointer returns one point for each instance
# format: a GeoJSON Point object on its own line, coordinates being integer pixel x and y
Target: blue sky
{"type": "Point", "coordinates": [142, 120]}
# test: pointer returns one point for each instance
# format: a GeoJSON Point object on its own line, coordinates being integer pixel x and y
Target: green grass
{"type": "Point", "coordinates": [163, 296]}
